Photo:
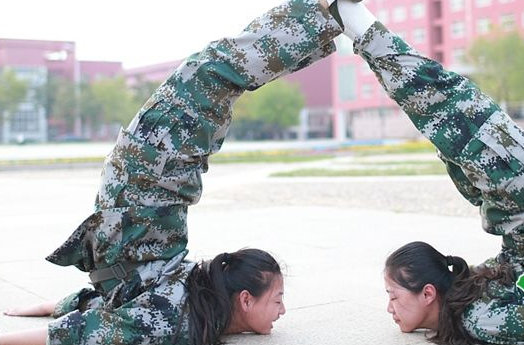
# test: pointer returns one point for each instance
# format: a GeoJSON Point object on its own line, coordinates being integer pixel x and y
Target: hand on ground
{"type": "Point", "coordinates": [43, 309]}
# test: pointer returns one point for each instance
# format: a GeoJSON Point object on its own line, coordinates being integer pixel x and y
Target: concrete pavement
{"type": "Point", "coordinates": [333, 252]}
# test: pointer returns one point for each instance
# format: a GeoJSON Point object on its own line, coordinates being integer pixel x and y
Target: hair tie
{"type": "Point", "coordinates": [449, 260]}
{"type": "Point", "coordinates": [226, 258]}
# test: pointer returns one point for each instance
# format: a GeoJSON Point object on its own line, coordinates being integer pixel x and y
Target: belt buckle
{"type": "Point", "coordinates": [119, 271]}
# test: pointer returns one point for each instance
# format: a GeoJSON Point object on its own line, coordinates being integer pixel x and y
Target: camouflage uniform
{"type": "Point", "coordinates": [154, 173]}
{"type": "Point", "coordinates": [483, 152]}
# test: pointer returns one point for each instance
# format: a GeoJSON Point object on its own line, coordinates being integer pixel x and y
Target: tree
{"type": "Point", "coordinates": [58, 97]}
{"type": "Point", "coordinates": [143, 89]}
{"type": "Point", "coordinates": [109, 100]}
{"type": "Point", "coordinates": [498, 62]}
{"type": "Point", "coordinates": [12, 92]}
{"type": "Point", "coordinates": [269, 111]}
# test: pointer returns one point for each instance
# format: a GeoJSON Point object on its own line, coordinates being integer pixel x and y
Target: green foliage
{"type": "Point", "coordinates": [498, 61]}
{"type": "Point", "coordinates": [58, 98]}
{"type": "Point", "coordinates": [110, 101]}
{"type": "Point", "coordinates": [143, 89]}
{"type": "Point", "coordinates": [12, 91]}
{"type": "Point", "coordinates": [103, 101]}
{"type": "Point", "coordinates": [268, 111]}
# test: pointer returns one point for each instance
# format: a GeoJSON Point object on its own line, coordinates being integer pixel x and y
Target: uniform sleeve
{"type": "Point", "coordinates": [81, 300]}
{"type": "Point", "coordinates": [498, 317]}
{"type": "Point", "coordinates": [482, 148]}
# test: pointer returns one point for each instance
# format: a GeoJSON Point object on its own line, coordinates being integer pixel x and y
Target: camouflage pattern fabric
{"type": "Point", "coordinates": [154, 173]}
{"type": "Point", "coordinates": [483, 151]}
{"type": "Point", "coordinates": [148, 309]}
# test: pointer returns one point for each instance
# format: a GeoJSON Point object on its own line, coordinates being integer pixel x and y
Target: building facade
{"type": "Point", "coordinates": [35, 62]}
{"type": "Point", "coordinates": [440, 29]}
{"type": "Point", "coordinates": [343, 98]}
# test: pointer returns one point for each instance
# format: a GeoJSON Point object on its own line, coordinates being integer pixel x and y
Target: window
{"type": "Point", "coordinates": [419, 35]}
{"type": "Point", "coordinates": [439, 57]}
{"type": "Point", "coordinates": [483, 25]}
{"type": "Point", "coordinates": [458, 55]}
{"type": "Point", "coordinates": [24, 121]}
{"type": "Point", "coordinates": [507, 21]}
{"type": "Point", "coordinates": [383, 16]}
{"type": "Point", "coordinates": [418, 11]}
{"type": "Point", "coordinates": [457, 5]}
{"type": "Point", "coordinates": [347, 83]}
{"type": "Point", "coordinates": [367, 90]}
{"type": "Point", "coordinates": [399, 14]}
{"type": "Point", "coordinates": [483, 3]}
{"type": "Point", "coordinates": [437, 9]}
{"type": "Point", "coordinates": [458, 29]}
{"type": "Point", "coordinates": [438, 35]}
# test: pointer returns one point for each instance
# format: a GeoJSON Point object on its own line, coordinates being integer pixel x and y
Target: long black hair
{"type": "Point", "coordinates": [416, 264]}
{"type": "Point", "coordinates": [211, 286]}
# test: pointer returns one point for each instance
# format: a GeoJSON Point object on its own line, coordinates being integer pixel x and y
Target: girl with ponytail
{"type": "Point", "coordinates": [483, 151]}
{"type": "Point", "coordinates": [133, 246]}
{"type": "Point", "coordinates": [234, 293]}
{"type": "Point", "coordinates": [429, 290]}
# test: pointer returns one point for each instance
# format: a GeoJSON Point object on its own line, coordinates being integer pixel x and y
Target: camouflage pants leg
{"type": "Point", "coordinates": [484, 153]}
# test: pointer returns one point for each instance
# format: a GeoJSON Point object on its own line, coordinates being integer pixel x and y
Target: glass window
{"type": "Point", "coordinates": [458, 55]}
{"type": "Point", "coordinates": [399, 14]}
{"type": "Point", "coordinates": [458, 29]}
{"type": "Point", "coordinates": [483, 25]}
{"type": "Point", "coordinates": [418, 10]}
{"type": "Point", "coordinates": [507, 21]}
{"type": "Point", "coordinates": [483, 3]}
{"type": "Point", "coordinates": [367, 90]}
{"type": "Point", "coordinates": [439, 57]}
{"type": "Point", "coordinates": [347, 83]}
{"type": "Point", "coordinates": [419, 35]}
{"type": "Point", "coordinates": [457, 5]}
{"type": "Point", "coordinates": [24, 121]}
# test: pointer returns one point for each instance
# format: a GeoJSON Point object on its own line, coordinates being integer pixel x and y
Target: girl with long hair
{"type": "Point", "coordinates": [134, 245]}
{"type": "Point", "coordinates": [483, 151]}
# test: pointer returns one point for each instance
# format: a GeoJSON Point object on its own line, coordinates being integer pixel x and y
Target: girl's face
{"type": "Point", "coordinates": [264, 310]}
{"type": "Point", "coordinates": [411, 310]}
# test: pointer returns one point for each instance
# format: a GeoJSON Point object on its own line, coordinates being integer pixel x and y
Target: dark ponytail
{"type": "Point", "coordinates": [416, 264]}
{"type": "Point", "coordinates": [212, 285]}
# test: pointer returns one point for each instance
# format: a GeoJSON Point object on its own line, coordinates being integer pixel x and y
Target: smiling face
{"type": "Point", "coordinates": [262, 311]}
{"type": "Point", "coordinates": [257, 314]}
{"type": "Point", "coordinates": [412, 310]}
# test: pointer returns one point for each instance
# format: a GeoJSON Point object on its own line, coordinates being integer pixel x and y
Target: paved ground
{"type": "Point", "coordinates": [332, 234]}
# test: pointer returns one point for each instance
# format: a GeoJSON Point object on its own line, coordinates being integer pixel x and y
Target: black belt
{"type": "Point", "coordinates": [118, 271]}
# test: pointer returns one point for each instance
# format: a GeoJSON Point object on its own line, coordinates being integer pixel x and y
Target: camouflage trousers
{"type": "Point", "coordinates": [154, 173]}
{"type": "Point", "coordinates": [484, 154]}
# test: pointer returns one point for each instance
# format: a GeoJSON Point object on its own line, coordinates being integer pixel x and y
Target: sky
{"type": "Point", "coordinates": [137, 33]}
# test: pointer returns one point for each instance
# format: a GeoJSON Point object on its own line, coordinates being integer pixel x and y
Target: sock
{"type": "Point", "coordinates": [356, 17]}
